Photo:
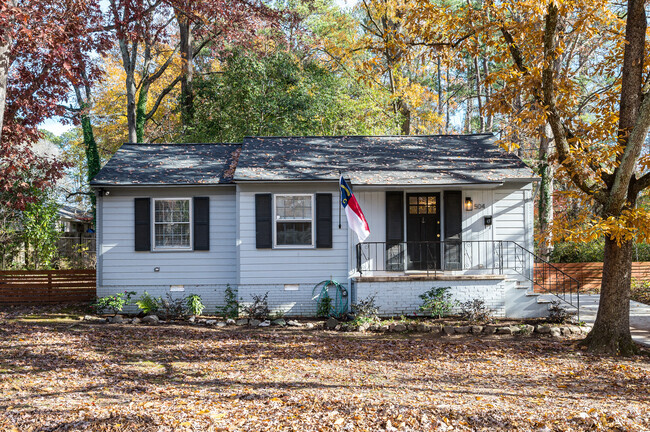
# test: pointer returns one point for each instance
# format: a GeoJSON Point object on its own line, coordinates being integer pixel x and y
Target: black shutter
{"type": "Point", "coordinates": [201, 223]}
{"type": "Point", "coordinates": [142, 224]}
{"type": "Point", "coordinates": [263, 221]}
{"type": "Point", "coordinates": [453, 215]}
{"type": "Point", "coordinates": [394, 217]}
{"type": "Point", "coordinates": [394, 231]}
{"type": "Point", "coordinates": [323, 220]}
{"type": "Point", "coordinates": [453, 220]}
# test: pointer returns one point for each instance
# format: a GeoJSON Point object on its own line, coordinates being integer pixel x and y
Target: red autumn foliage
{"type": "Point", "coordinates": [46, 42]}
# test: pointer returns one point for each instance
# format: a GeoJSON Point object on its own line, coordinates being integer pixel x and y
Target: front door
{"type": "Point", "coordinates": [423, 231]}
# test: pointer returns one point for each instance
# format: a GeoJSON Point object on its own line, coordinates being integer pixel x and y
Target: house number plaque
{"type": "Point", "coordinates": [479, 206]}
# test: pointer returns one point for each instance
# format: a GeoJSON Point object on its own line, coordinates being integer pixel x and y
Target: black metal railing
{"type": "Point", "coordinates": [471, 257]}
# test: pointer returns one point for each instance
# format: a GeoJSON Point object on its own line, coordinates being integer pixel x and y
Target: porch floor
{"type": "Point", "coordinates": [430, 277]}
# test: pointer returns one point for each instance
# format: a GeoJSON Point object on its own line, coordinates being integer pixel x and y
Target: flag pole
{"type": "Point", "coordinates": [340, 199]}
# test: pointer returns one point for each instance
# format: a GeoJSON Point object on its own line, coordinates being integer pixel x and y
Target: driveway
{"type": "Point", "coordinates": [639, 316]}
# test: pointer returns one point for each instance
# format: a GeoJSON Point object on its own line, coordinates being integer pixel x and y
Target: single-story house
{"type": "Point", "coordinates": [264, 216]}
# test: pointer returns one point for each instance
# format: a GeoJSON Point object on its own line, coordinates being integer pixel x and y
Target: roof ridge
{"type": "Point", "coordinates": [371, 136]}
{"type": "Point", "coordinates": [181, 144]}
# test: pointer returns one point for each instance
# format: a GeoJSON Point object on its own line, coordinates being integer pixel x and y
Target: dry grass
{"type": "Point", "coordinates": [65, 375]}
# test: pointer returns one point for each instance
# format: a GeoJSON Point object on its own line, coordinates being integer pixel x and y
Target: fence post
{"type": "Point", "coordinates": [49, 283]}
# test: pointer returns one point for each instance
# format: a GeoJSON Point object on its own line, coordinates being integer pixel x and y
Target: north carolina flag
{"type": "Point", "coordinates": [356, 220]}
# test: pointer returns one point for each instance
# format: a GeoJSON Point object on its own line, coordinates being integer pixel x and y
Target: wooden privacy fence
{"type": "Point", "coordinates": [46, 286]}
{"type": "Point", "coordinates": [590, 274]}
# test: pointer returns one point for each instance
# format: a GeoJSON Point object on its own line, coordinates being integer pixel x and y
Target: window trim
{"type": "Point", "coordinates": [311, 220]}
{"type": "Point", "coordinates": [155, 248]}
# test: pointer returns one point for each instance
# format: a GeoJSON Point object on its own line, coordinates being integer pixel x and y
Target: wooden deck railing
{"type": "Point", "coordinates": [46, 286]}
{"type": "Point", "coordinates": [590, 274]}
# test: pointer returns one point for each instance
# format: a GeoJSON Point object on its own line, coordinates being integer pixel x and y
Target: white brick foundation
{"type": "Point", "coordinates": [402, 297]}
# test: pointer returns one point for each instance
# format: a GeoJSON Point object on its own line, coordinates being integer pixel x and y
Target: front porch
{"type": "Point", "coordinates": [511, 280]}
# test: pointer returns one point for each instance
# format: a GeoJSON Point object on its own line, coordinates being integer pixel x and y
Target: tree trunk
{"type": "Point", "coordinates": [131, 90]}
{"type": "Point", "coordinates": [611, 331]}
{"type": "Point", "coordinates": [406, 117]}
{"type": "Point", "coordinates": [141, 112]}
{"type": "Point", "coordinates": [489, 124]}
{"type": "Point", "coordinates": [5, 63]}
{"type": "Point", "coordinates": [468, 115]}
{"type": "Point", "coordinates": [187, 55]}
{"type": "Point", "coordinates": [478, 95]}
{"type": "Point", "coordinates": [440, 99]}
{"type": "Point", "coordinates": [545, 194]}
{"type": "Point", "coordinates": [447, 110]}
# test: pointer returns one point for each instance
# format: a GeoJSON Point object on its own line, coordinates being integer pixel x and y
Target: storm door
{"type": "Point", "coordinates": [423, 231]}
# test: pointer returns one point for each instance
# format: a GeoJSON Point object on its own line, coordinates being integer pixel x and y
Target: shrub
{"type": "Point", "coordinates": [324, 307]}
{"type": "Point", "coordinates": [231, 309]}
{"type": "Point", "coordinates": [437, 302]}
{"type": "Point", "coordinates": [194, 304]}
{"type": "Point", "coordinates": [148, 303]}
{"type": "Point", "coordinates": [557, 313]}
{"type": "Point", "coordinates": [173, 308]}
{"type": "Point", "coordinates": [365, 309]}
{"type": "Point", "coordinates": [259, 309]}
{"type": "Point", "coordinates": [640, 291]}
{"type": "Point", "coordinates": [114, 302]}
{"type": "Point", "coordinates": [475, 311]}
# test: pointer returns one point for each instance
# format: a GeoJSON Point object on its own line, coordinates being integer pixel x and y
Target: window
{"type": "Point", "coordinates": [294, 220]}
{"type": "Point", "coordinates": [172, 224]}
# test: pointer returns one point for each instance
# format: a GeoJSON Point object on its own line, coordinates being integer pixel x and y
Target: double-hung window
{"type": "Point", "coordinates": [172, 224]}
{"type": "Point", "coordinates": [294, 215]}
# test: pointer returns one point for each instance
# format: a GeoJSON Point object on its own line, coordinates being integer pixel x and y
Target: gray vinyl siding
{"type": "Point", "coordinates": [289, 265]}
{"type": "Point", "coordinates": [122, 266]}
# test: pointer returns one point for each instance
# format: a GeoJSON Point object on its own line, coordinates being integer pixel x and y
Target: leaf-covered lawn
{"type": "Point", "coordinates": [62, 375]}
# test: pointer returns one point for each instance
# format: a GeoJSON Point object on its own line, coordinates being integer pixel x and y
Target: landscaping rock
{"type": "Point", "coordinates": [279, 322]}
{"type": "Point", "coordinates": [504, 330]}
{"type": "Point", "coordinates": [294, 323]}
{"type": "Point", "coordinates": [265, 323]}
{"type": "Point", "coordinates": [448, 330]}
{"type": "Point", "coordinates": [136, 320]}
{"type": "Point", "coordinates": [254, 322]}
{"type": "Point", "coordinates": [210, 322]}
{"type": "Point", "coordinates": [399, 328]}
{"type": "Point", "coordinates": [585, 329]}
{"type": "Point", "coordinates": [151, 319]}
{"type": "Point", "coordinates": [436, 329]}
{"type": "Point", "coordinates": [192, 319]}
{"type": "Point", "coordinates": [490, 329]}
{"type": "Point", "coordinates": [462, 330]}
{"type": "Point", "coordinates": [95, 319]}
{"type": "Point", "coordinates": [221, 324]}
{"type": "Point", "coordinates": [230, 321]}
{"type": "Point", "coordinates": [384, 328]}
{"type": "Point", "coordinates": [543, 329]}
{"type": "Point", "coordinates": [476, 329]}
{"type": "Point", "coordinates": [529, 328]}
{"type": "Point", "coordinates": [412, 327]}
{"type": "Point", "coordinates": [331, 323]}
{"type": "Point", "coordinates": [565, 331]}
{"type": "Point", "coordinates": [241, 322]}
{"type": "Point", "coordinates": [574, 329]}
{"type": "Point", "coordinates": [338, 327]}
{"type": "Point", "coordinates": [364, 327]}
{"type": "Point", "coordinates": [117, 319]}
{"type": "Point", "coordinates": [309, 325]}
{"type": "Point", "coordinates": [556, 332]}
{"type": "Point", "coordinates": [423, 328]}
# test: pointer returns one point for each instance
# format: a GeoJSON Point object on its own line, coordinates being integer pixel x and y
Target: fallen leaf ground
{"type": "Point", "coordinates": [58, 374]}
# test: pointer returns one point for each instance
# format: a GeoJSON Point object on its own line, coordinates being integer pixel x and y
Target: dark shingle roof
{"type": "Point", "coordinates": [182, 164]}
{"type": "Point", "coordinates": [439, 159]}
{"type": "Point", "coordinates": [391, 160]}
